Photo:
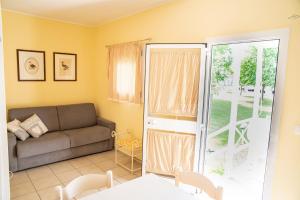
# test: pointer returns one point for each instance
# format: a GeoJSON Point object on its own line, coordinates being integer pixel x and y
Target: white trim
{"type": "Point", "coordinates": [238, 55]}
{"type": "Point", "coordinates": [283, 36]}
{"type": "Point", "coordinates": [200, 103]}
{"type": "Point", "coordinates": [4, 172]}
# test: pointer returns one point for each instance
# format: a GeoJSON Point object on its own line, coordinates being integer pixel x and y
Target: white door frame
{"type": "Point", "coordinates": [4, 170]}
{"type": "Point", "coordinates": [199, 124]}
{"type": "Point", "coordinates": [283, 36]}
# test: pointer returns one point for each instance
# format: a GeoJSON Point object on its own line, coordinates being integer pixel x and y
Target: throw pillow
{"type": "Point", "coordinates": [14, 127]}
{"type": "Point", "coordinates": [34, 126]}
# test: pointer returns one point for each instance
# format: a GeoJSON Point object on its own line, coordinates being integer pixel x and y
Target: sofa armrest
{"type": "Point", "coordinates": [106, 123]}
{"type": "Point", "coordinates": [12, 151]}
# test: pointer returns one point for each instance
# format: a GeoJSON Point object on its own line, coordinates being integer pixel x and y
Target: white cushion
{"type": "Point", "coordinates": [34, 126]}
{"type": "Point", "coordinates": [14, 127]}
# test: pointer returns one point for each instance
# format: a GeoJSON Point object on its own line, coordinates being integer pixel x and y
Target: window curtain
{"type": "Point", "coordinates": [174, 78]}
{"type": "Point", "coordinates": [168, 152]}
{"type": "Point", "coordinates": [125, 72]}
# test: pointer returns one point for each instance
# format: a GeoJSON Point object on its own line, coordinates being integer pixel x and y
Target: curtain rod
{"type": "Point", "coordinates": [144, 40]}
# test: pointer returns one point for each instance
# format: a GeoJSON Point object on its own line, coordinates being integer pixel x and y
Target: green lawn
{"type": "Point", "coordinates": [220, 117]}
{"type": "Point", "coordinates": [220, 114]}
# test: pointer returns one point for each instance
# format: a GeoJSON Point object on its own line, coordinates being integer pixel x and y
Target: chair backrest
{"type": "Point", "coordinates": [84, 184]}
{"type": "Point", "coordinates": [199, 181]}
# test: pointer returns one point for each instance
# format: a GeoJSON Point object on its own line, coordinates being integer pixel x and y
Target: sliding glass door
{"type": "Point", "coordinates": [241, 93]}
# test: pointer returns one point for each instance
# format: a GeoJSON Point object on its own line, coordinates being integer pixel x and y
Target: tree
{"type": "Point", "coordinates": [269, 68]}
{"type": "Point", "coordinates": [248, 69]}
{"type": "Point", "coordinates": [221, 64]}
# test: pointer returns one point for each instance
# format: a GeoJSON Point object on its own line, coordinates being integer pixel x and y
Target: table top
{"type": "Point", "coordinates": [149, 187]}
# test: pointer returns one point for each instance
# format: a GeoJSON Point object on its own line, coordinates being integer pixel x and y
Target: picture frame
{"type": "Point", "coordinates": [64, 66]}
{"type": "Point", "coordinates": [31, 65]}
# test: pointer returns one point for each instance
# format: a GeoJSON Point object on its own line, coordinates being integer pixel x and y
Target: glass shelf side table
{"type": "Point", "coordinates": [128, 151]}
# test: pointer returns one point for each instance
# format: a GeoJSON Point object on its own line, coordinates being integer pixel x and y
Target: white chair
{"type": "Point", "coordinates": [199, 181]}
{"type": "Point", "coordinates": [83, 184]}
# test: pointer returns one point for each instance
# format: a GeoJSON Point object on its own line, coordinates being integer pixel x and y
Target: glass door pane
{"type": "Point", "coordinates": [240, 107]}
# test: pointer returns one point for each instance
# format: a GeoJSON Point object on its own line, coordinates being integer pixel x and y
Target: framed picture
{"type": "Point", "coordinates": [65, 66]}
{"type": "Point", "coordinates": [31, 65]}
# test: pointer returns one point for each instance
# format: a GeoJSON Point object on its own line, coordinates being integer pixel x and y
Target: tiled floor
{"type": "Point", "coordinates": [39, 183]}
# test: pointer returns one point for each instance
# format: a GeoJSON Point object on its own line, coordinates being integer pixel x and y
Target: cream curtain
{"type": "Point", "coordinates": [125, 72]}
{"type": "Point", "coordinates": [174, 78]}
{"type": "Point", "coordinates": [173, 93]}
{"type": "Point", "coordinates": [167, 152]}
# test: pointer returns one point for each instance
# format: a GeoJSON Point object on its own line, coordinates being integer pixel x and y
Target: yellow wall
{"type": "Point", "coordinates": [180, 21]}
{"type": "Point", "coordinates": [27, 32]}
{"type": "Point", "coordinates": [193, 21]}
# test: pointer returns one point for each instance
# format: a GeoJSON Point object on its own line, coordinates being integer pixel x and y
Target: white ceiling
{"type": "Point", "coordinates": [86, 12]}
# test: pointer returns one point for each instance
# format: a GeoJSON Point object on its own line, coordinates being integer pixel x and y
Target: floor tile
{"type": "Point", "coordinates": [68, 176]}
{"type": "Point", "coordinates": [31, 196]}
{"type": "Point", "coordinates": [107, 165]}
{"type": "Point", "coordinates": [116, 182]}
{"type": "Point", "coordinates": [90, 169]}
{"type": "Point", "coordinates": [49, 194]}
{"type": "Point", "coordinates": [138, 173]}
{"type": "Point", "coordinates": [109, 154]}
{"type": "Point", "coordinates": [126, 178]}
{"type": "Point", "coordinates": [119, 172]}
{"type": "Point", "coordinates": [39, 172]}
{"type": "Point", "coordinates": [123, 159]}
{"type": "Point", "coordinates": [80, 162]}
{"type": "Point", "coordinates": [61, 167]}
{"type": "Point", "coordinates": [21, 189]}
{"type": "Point", "coordinates": [43, 183]}
{"type": "Point", "coordinates": [97, 158]}
{"type": "Point", "coordinates": [127, 163]}
{"type": "Point", "coordinates": [38, 183]}
{"type": "Point", "coordinates": [19, 178]}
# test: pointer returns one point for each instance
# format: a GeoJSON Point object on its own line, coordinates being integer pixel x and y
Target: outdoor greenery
{"type": "Point", "coordinates": [248, 68]}
{"type": "Point", "coordinates": [269, 68]}
{"type": "Point", "coordinates": [222, 60]}
{"type": "Point", "coordinates": [220, 114]}
{"type": "Point", "coordinates": [222, 76]}
{"type": "Point", "coordinates": [220, 117]}
{"type": "Point", "coordinates": [222, 69]}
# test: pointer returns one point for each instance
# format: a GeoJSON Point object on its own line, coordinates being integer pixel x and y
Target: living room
{"type": "Point", "coordinates": [88, 32]}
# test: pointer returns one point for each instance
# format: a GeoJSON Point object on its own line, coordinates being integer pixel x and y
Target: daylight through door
{"type": "Point", "coordinates": [242, 88]}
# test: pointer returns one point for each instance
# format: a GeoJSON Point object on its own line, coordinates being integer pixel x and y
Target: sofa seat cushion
{"type": "Point", "coordinates": [46, 143]}
{"type": "Point", "coordinates": [88, 135]}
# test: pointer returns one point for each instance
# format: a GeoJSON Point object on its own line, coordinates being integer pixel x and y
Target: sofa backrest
{"type": "Point", "coordinates": [76, 116]}
{"type": "Point", "coordinates": [48, 115]}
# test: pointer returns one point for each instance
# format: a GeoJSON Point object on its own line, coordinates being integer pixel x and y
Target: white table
{"type": "Point", "coordinates": [149, 187]}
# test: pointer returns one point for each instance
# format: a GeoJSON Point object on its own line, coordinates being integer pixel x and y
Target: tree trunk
{"type": "Point", "coordinates": [262, 92]}
{"type": "Point", "coordinates": [241, 90]}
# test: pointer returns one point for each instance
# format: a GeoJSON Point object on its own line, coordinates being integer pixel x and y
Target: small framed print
{"type": "Point", "coordinates": [65, 66]}
{"type": "Point", "coordinates": [31, 65]}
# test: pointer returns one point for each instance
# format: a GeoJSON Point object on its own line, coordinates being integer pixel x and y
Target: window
{"type": "Point", "coordinates": [125, 72]}
{"type": "Point", "coordinates": [126, 79]}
